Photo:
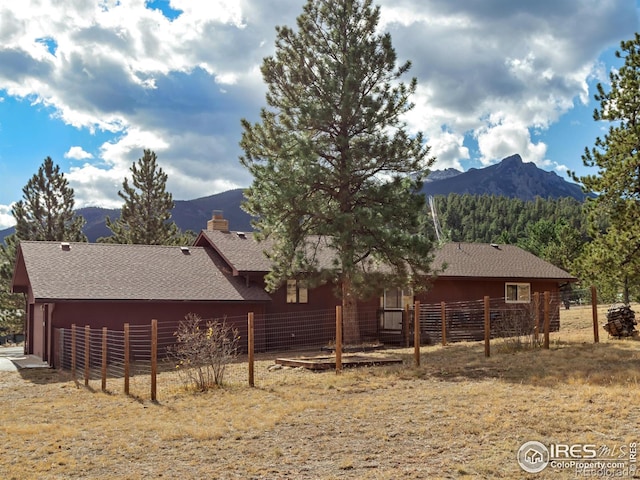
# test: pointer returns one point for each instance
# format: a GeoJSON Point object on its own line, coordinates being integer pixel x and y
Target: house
{"type": "Point", "coordinates": [222, 275]}
{"type": "Point", "coordinates": [108, 285]}
{"type": "Point", "coordinates": [471, 271]}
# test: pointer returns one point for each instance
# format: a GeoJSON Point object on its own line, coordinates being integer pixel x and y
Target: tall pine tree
{"type": "Point", "coordinates": [331, 156]}
{"type": "Point", "coordinates": [617, 183]}
{"type": "Point", "coordinates": [46, 210]}
{"type": "Point", "coordinates": [146, 213]}
{"type": "Point", "coordinates": [11, 305]}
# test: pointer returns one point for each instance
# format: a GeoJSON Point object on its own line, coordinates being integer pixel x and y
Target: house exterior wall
{"type": "Point", "coordinates": [467, 290]}
{"type": "Point", "coordinates": [114, 315]}
{"type": "Point", "coordinates": [288, 325]}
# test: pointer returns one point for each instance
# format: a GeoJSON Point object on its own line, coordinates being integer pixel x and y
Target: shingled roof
{"type": "Point", "coordinates": [244, 254]}
{"type": "Point", "coordinates": [102, 271]}
{"type": "Point", "coordinates": [481, 260]}
{"type": "Point", "coordinates": [469, 260]}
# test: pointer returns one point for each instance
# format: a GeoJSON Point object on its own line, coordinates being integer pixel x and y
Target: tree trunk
{"type": "Point", "coordinates": [626, 297]}
{"type": "Point", "coordinates": [350, 326]}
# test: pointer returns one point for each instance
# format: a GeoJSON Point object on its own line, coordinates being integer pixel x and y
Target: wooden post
{"type": "Point", "coordinates": [405, 326]}
{"type": "Point", "coordinates": [338, 339]}
{"type": "Point", "coordinates": [250, 346]}
{"type": "Point", "coordinates": [536, 316]}
{"type": "Point", "coordinates": [594, 314]}
{"type": "Point", "coordinates": [487, 326]}
{"type": "Point", "coordinates": [443, 318]}
{"type": "Point", "coordinates": [126, 359]}
{"type": "Point", "coordinates": [416, 333]}
{"type": "Point", "coordinates": [73, 351]}
{"type": "Point", "coordinates": [154, 358]}
{"type": "Point", "coordinates": [87, 356]}
{"type": "Point", "coordinates": [547, 321]}
{"type": "Point", "coordinates": [104, 359]}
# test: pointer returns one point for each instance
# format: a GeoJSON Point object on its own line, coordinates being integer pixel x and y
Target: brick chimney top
{"type": "Point", "coordinates": [218, 222]}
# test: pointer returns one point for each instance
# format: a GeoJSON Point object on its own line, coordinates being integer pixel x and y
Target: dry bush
{"type": "Point", "coordinates": [516, 329]}
{"type": "Point", "coordinates": [203, 351]}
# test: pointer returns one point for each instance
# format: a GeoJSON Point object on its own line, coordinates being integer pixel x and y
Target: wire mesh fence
{"type": "Point", "coordinates": [129, 359]}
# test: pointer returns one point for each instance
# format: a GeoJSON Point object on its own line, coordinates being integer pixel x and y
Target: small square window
{"type": "Point", "coordinates": [517, 293]}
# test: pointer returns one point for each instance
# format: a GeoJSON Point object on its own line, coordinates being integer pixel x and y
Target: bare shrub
{"type": "Point", "coordinates": [515, 329]}
{"type": "Point", "coordinates": [202, 351]}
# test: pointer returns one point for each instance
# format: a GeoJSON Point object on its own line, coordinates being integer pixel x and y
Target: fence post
{"type": "Point", "coordinates": [126, 359]}
{"type": "Point", "coordinates": [443, 317]}
{"type": "Point", "coordinates": [338, 339]}
{"type": "Point", "coordinates": [594, 314]}
{"type": "Point", "coordinates": [487, 326]}
{"type": "Point", "coordinates": [547, 321]}
{"type": "Point", "coordinates": [104, 359]}
{"type": "Point", "coordinates": [416, 332]}
{"type": "Point", "coordinates": [405, 326]}
{"type": "Point", "coordinates": [73, 351]}
{"type": "Point", "coordinates": [536, 316]}
{"type": "Point", "coordinates": [250, 346]}
{"type": "Point", "coordinates": [154, 358]}
{"type": "Point", "coordinates": [87, 356]}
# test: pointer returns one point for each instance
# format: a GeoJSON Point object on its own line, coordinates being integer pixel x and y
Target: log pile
{"type": "Point", "coordinates": [621, 321]}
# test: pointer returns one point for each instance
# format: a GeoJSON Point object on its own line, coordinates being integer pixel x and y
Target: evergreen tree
{"type": "Point", "coordinates": [46, 211]}
{"type": "Point", "coordinates": [331, 156]}
{"type": "Point", "coordinates": [146, 213]}
{"type": "Point", "coordinates": [617, 182]}
{"type": "Point", "coordinates": [11, 305]}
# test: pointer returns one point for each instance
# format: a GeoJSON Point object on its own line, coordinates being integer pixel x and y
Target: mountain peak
{"type": "Point", "coordinates": [509, 178]}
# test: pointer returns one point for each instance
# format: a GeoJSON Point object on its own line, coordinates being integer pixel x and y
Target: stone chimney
{"type": "Point", "coordinates": [218, 222]}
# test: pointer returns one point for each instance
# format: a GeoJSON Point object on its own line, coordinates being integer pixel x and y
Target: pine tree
{"type": "Point", "coordinates": [46, 211]}
{"type": "Point", "coordinates": [11, 305]}
{"type": "Point", "coordinates": [146, 213]}
{"type": "Point", "coordinates": [331, 155]}
{"type": "Point", "coordinates": [617, 158]}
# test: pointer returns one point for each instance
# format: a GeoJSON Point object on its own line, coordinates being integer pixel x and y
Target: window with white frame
{"type": "Point", "coordinates": [394, 301]}
{"type": "Point", "coordinates": [517, 293]}
{"type": "Point", "coordinates": [297, 291]}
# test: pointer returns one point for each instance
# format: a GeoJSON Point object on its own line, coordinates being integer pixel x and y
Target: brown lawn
{"type": "Point", "coordinates": [459, 415]}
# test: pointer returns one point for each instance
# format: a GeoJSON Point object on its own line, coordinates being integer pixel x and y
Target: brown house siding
{"type": "Point", "coordinates": [465, 290]}
{"type": "Point", "coordinates": [114, 315]}
{"type": "Point", "coordinates": [288, 324]}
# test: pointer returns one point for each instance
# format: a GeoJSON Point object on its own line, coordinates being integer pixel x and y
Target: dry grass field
{"type": "Point", "coordinates": [459, 415]}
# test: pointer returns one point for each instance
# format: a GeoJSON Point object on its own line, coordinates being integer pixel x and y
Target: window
{"type": "Point", "coordinates": [297, 291]}
{"type": "Point", "coordinates": [394, 301]}
{"type": "Point", "coordinates": [517, 293]}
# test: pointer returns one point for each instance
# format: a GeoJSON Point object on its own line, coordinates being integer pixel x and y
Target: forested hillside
{"type": "Point", "coordinates": [490, 218]}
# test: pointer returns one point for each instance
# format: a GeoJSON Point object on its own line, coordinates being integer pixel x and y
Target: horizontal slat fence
{"type": "Point", "coordinates": [92, 354]}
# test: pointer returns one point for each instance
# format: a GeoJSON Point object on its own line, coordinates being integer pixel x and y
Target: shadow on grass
{"type": "Point", "coordinates": [611, 363]}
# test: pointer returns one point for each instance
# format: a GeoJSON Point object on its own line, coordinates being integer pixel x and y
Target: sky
{"type": "Point", "coordinates": [93, 83]}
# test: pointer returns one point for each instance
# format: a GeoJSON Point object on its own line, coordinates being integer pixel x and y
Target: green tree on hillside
{"type": "Point", "coordinates": [617, 181]}
{"type": "Point", "coordinates": [555, 242]}
{"type": "Point", "coordinates": [11, 305]}
{"type": "Point", "coordinates": [46, 211]}
{"type": "Point", "coordinates": [331, 155]}
{"type": "Point", "coordinates": [146, 213]}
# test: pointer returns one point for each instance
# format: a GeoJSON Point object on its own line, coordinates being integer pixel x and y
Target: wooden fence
{"type": "Point", "coordinates": [91, 354]}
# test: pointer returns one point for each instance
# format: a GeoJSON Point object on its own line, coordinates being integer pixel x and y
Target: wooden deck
{"type": "Point", "coordinates": [328, 362]}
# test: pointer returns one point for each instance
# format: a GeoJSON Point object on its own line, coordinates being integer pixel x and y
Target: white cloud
{"type": "Point", "coordinates": [497, 73]}
{"type": "Point", "coordinates": [6, 218]}
{"type": "Point", "coordinates": [77, 153]}
{"type": "Point", "coordinates": [508, 137]}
